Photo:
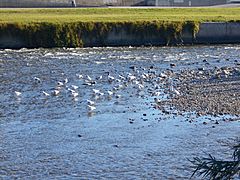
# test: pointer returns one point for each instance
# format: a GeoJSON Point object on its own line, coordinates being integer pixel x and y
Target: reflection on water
{"type": "Point", "coordinates": [50, 130]}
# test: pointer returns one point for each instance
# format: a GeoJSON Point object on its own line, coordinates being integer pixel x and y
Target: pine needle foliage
{"type": "Point", "coordinates": [213, 169]}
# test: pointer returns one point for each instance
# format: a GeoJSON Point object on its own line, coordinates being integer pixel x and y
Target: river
{"type": "Point", "coordinates": [60, 136]}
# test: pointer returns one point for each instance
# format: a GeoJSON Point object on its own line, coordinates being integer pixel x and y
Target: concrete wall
{"type": "Point", "coordinates": [110, 2]}
{"type": "Point", "coordinates": [96, 2]}
{"type": "Point", "coordinates": [209, 33]}
{"type": "Point", "coordinates": [134, 2]}
{"type": "Point", "coordinates": [35, 3]}
{"type": "Point", "coordinates": [218, 33]}
{"type": "Point", "coordinates": [68, 3]}
{"type": "Point", "coordinates": [186, 2]}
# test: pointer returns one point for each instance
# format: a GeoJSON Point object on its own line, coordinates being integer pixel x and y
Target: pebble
{"type": "Point", "coordinates": [214, 96]}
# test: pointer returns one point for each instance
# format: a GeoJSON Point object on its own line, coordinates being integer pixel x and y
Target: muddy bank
{"type": "Point", "coordinates": [214, 91]}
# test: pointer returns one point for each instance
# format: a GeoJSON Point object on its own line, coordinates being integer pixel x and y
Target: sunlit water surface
{"type": "Point", "coordinates": [58, 137]}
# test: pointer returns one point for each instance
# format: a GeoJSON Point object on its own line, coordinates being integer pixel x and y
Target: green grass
{"type": "Point", "coordinates": [118, 15]}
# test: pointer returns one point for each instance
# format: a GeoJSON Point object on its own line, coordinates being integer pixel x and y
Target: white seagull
{"type": "Point", "coordinates": [110, 78]}
{"type": "Point", "coordinates": [59, 83]}
{"type": "Point", "coordinates": [56, 92]}
{"type": "Point", "coordinates": [157, 100]}
{"type": "Point", "coordinates": [110, 93]}
{"type": "Point", "coordinates": [131, 78]}
{"type": "Point", "coordinates": [91, 108]}
{"type": "Point", "coordinates": [66, 80]}
{"type": "Point", "coordinates": [74, 87]}
{"type": "Point", "coordinates": [80, 76]}
{"type": "Point", "coordinates": [17, 93]}
{"type": "Point", "coordinates": [162, 75]}
{"type": "Point", "coordinates": [121, 77]}
{"type": "Point", "coordinates": [99, 78]}
{"type": "Point", "coordinates": [74, 94]}
{"type": "Point", "coordinates": [176, 92]}
{"type": "Point", "coordinates": [45, 93]}
{"type": "Point", "coordinates": [89, 78]}
{"type": "Point", "coordinates": [91, 103]}
{"type": "Point", "coordinates": [140, 86]}
{"type": "Point", "coordinates": [96, 91]}
{"type": "Point", "coordinates": [37, 80]}
{"type": "Point", "coordinates": [118, 96]}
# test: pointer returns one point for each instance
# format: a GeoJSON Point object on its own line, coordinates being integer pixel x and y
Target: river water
{"type": "Point", "coordinates": [125, 137]}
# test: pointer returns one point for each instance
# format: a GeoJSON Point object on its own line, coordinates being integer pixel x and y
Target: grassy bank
{"type": "Point", "coordinates": [118, 14]}
{"type": "Point", "coordinates": [77, 27]}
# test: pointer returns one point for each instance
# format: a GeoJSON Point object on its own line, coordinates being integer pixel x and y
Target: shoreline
{"type": "Point", "coordinates": [101, 34]}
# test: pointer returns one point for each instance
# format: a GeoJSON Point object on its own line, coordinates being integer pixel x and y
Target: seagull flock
{"type": "Point", "coordinates": [142, 81]}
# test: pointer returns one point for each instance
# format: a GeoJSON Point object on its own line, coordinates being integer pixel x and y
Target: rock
{"type": "Point", "coordinates": [132, 67]}
{"type": "Point", "coordinates": [172, 65]}
{"type": "Point", "coordinates": [165, 112]}
{"type": "Point", "coordinates": [201, 69]}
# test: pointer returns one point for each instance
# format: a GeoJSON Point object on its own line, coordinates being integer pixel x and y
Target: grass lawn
{"type": "Point", "coordinates": [118, 15]}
